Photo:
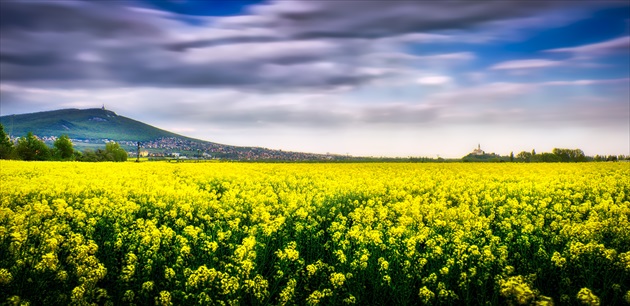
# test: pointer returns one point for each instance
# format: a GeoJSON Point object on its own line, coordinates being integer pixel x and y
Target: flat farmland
{"type": "Point", "coordinates": [365, 233]}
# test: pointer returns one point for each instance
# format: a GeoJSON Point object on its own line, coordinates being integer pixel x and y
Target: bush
{"type": "Point", "coordinates": [31, 148]}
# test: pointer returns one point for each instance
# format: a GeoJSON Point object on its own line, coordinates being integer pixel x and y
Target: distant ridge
{"type": "Point", "coordinates": [92, 127]}
{"type": "Point", "coordinates": [93, 123]}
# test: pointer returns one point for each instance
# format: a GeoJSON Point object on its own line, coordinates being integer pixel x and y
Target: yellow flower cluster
{"type": "Point", "coordinates": [587, 297]}
{"type": "Point", "coordinates": [261, 234]}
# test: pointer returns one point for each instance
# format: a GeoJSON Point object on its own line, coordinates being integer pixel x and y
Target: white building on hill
{"type": "Point", "coordinates": [478, 150]}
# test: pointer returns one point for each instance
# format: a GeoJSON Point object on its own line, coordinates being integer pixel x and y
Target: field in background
{"type": "Point", "coordinates": [233, 233]}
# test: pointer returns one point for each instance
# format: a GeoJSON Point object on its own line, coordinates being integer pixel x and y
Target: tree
{"type": "Point", "coordinates": [578, 155]}
{"type": "Point", "coordinates": [64, 148]}
{"type": "Point", "coordinates": [548, 158]}
{"type": "Point", "coordinates": [6, 146]}
{"type": "Point", "coordinates": [524, 156]}
{"type": "Point", "coordinates": [570, 155]}
{"type": "Point", "coordinates": [611, 158]}
{"type": "Point", "coordinates": [31, 148]}
{"type": "Point", "coordinates": [114, 152]}
{"type": "Point", "coordinates": [89, 156]}
{"type": "Point", "coordinates": [563, 154]}
{"type": "Point", "coordinates": [511, 156]}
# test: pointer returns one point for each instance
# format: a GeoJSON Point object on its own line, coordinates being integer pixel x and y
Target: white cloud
{"type": "Point", "coordinates": [283, 51]}
{"type": "Point", "coordinates": [588, 82]}
{"type": "Point", "coordinates": [403, 60]}
{"type": "Point", "coordinates": [526, 64]}
{"type": "Point", "coordinates": [601, 48]}
{"type": "Point", "coordinates": [483, 94]}
{"type": "Point", "coordinates": [89, 57]}
{"type": "Point", "coordinates": [425, 38]}
{"type": "Point", "coordinates": [434, 80]}
{"type": "Point", "coordinates": [457, 56]}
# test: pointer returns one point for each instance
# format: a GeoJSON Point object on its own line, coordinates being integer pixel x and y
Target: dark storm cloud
{"type": "Point", "coordinates": [28, 73]}
{"type": "Point", "coordinates": [374, 19]}
{"type": "Point", "coordinates": [46, 41]}
{"type": "Point", "coordinates": [355, 19]}
{"type": "Point", "coordinates": [60, 41]}
{"type": "Point", "coordinates": [286, 45]}
{"type": "Point", "coordinates": [32, 59]}
{"type": "Point", "coordinates": [83, 57]}
{"type": "Point", "coordinates": [184, 45]}
{"type": "Point", "coordinates": [97, 18]}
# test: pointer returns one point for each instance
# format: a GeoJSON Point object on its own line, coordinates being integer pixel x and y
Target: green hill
{"type": "Point", "coordinates": [91, 128]}
{"type": "Point", "coordinates": [94, 123]}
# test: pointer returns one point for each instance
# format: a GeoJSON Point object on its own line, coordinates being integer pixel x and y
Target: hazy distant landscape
{"type": "Point", "coordinates": [90, 129]}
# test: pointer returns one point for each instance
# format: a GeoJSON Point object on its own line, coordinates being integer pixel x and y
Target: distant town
{"type": "Point", "coordinates": [183, 149]}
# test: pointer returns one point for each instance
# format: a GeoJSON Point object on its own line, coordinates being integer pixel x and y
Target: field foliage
{"type": "Point", "coordinates": [258, 234]}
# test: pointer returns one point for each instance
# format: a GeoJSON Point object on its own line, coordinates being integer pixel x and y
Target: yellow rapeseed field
{"type": "Point", "coordinates": [259, 234]}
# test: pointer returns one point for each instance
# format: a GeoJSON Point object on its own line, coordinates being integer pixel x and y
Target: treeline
{"type": "Point", "coordinates": [559, 155]}
{"type": "Point", "coordinates": [30, 148]}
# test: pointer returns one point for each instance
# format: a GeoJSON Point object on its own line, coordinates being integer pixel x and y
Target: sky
{"type": "Point", "coordinates": [366, 78]}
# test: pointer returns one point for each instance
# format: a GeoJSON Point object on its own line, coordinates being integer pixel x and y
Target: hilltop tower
{"type": "Point", "coordinates": [478, 150]}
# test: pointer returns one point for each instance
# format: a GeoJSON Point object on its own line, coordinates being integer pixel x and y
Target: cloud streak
{"type": "Point", "coordinates": [617, 45]}
{"type": "Point", "coordinates": [526, 64]}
